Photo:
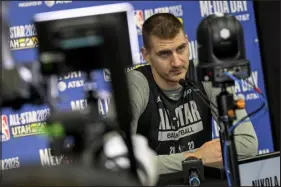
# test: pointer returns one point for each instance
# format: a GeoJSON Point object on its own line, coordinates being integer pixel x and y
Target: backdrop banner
{"type": "Point", "coordinates": [22, 140]}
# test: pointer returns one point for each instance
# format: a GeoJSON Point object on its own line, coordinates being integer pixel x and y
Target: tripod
{"type": "Point", "coordinates": [226, 107]}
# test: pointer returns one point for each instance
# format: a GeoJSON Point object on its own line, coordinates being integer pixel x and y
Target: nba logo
{"type": "Point", "coordinates": [5, 129]}
{"type": "Point", "coordinates": [139, 20]}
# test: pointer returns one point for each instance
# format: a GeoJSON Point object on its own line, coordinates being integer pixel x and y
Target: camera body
{"type": "Point", "coordinates": [221, 49]}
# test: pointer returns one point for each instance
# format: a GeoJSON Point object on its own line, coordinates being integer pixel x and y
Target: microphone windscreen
{"type": "Point", "coordinates": [182, 82]}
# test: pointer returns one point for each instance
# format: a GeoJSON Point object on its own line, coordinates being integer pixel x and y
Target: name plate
{"type": "Point", "coordinates": [263, 170]}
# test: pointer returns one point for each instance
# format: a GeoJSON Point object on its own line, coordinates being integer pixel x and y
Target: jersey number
{"type": "Point", "coordinates": [190, 145]}
{"type": "Point", "coordinates": [172, 150]}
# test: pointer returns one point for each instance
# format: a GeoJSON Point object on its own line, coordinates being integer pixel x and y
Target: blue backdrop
{"type": "Point", "coordinates": [21, 139]}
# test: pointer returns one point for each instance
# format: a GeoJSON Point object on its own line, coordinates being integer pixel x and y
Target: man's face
{"type": "Point", "coordinates": [168, 58]}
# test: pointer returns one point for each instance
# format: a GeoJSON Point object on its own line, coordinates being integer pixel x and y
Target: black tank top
{"type": "Point", "coordinates": [174, 126]}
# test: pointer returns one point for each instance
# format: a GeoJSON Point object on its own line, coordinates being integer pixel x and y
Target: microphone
{"type": "Point", "coordinates": [204, 98]}
{"type": "Point", "coordinates": [182, 82]}
{"type": "Point", "coordinates": [194, 178]}
{"type": "Point", "coordinates": [193, 171]}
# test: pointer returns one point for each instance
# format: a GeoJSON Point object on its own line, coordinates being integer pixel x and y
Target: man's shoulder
{"type": "Point", "coordinates": [135, 74]}
{"type": "Point", "coordinates": [139, 88]}
{"type": "Point", "coordinates": [138, 67]}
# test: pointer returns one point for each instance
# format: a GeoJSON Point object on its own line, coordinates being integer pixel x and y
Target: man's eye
{"type": "Point", "coordinates": [164, 54]}
{"type": "Point", "coordinates": [181, 49]}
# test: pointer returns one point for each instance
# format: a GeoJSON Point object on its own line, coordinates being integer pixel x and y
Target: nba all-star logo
{"type": "Point", "coordinates": [5, 132]}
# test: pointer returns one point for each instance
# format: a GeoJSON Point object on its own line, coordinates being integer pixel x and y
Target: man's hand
{"type": "Point", "coordinates": [209, 152]}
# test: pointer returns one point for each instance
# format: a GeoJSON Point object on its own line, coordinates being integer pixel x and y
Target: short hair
{"type": "Point", "coordinates": [161, 25]}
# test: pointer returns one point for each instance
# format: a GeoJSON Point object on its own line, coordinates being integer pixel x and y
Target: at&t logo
{"type": "Point", "coordinates": [49, 3]}
{"type": "Point", "coordinates": [52, 3]}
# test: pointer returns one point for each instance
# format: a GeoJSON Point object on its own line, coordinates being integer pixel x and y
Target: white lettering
{"type": "Point", "coordinates": [243, 17]}
{"type": "Point", "coordinates": [29, 4]}
{"type": "Point", "coordinates": [101, 110]}
{"type": "Point", "coordinates": [175, 10]}
{"type": "Point", "coordinates": [172, 150]}
{"type": "Point", "coordinates": [161, 10]}
{"type": "Point", "coordinates": [252, 96]}
{"type": "Point", "coordinates": [29, 117]}
{"type": "Point", "coordinates": [237, 87]}
{"type": "Point", "coordinates": [192, 47]}
{"type": "Point", "coordinates": [47, 159]}
{"type": "Point", "coordinates": [148, 13]}
{"type": "Point", "coordinates": [188, 116]}
{"type": "Point", "coordinates": [191, 145]}
{"type": "Point", "coordinates": [63, 2]}
{"type": "Point", "coordinates": [206, 8]}
{"type": "Point", "coordinates": [194, 111]}
{"type": "Point", "coordinates": [75, 84]}
{"type": "Point", "coordinates": [71, 75]}
{"type": "Point", "coordinates": [180, 133]}
{"type": "Point", "coordinates": [162, 122]}
{"type": "Point", "coordinates": [253, 79]}
{"type": "Point", "coordinates": [78, 104]}
{"type": "Point", "coordinates": [168, 124]}
{"type": "Point", "coordinates": [103, 106]}
{"type": "Point", "coordinates": [210, 7]}
{"type": "Point", "coordinates": [106, 103]}
{"type": "Point", "coordinates": [29, 129]}
{"type": "Point", "coordinates": [14, 44]}
{"type": "Point", "coordinates": [23, 31]}
{"type": "Point", "coordinates": [44, 157]}
{"type": "Point", "coordinates": [10, 163]}
{"type": "Point", "coordinates": [14, 119]}
{"type": "Point", "coordinates": [238, 6]}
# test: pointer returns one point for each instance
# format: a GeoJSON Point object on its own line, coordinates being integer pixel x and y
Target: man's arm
{"type": "Point", "coordinates": [246, 141]}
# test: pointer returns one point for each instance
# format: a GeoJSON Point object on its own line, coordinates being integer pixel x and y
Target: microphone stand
{"type": "Point", "coordinates": [225, 104]}
{"type": "Point", "coordinates": [227, 115]}
{"type": "Point", "coordinates": [205, 99]}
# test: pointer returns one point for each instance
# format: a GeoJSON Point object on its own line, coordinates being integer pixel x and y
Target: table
{"type": "Point", "coordinates": [176, 179]}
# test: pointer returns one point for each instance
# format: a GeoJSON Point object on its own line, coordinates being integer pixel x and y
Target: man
{"type": "Point", "coordinates": [176, 122]}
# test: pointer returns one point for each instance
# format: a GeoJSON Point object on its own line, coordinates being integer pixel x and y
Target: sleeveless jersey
{"type": "Point", "coordinates": [174, 126]}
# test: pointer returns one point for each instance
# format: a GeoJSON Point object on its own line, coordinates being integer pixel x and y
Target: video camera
{"type": "Point", "coordinates": [87, 39]}
{"type": "Point", "coordinates": [222, 59]}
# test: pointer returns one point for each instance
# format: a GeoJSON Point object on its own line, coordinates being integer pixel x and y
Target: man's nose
{"type": "Point", "coordinates": [176, 61]}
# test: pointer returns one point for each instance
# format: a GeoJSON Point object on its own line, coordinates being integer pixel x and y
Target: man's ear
{"type": "Point", "coordinates": [145, 54]}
